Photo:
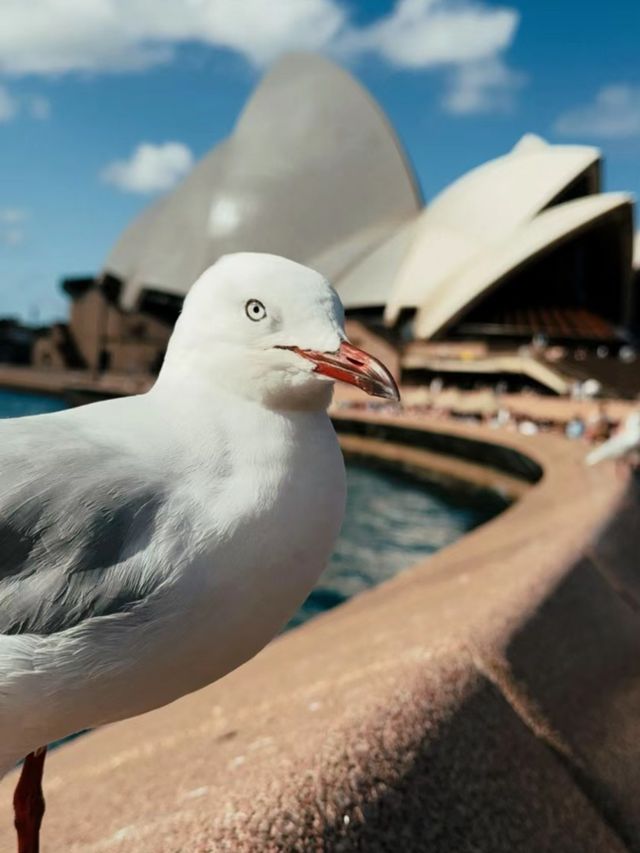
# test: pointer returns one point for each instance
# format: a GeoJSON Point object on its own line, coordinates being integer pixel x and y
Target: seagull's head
{"type": "Point", "coordinates": [271, 330]}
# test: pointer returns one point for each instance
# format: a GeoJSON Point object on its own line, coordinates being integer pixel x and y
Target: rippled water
{"type": "Point", "coordinates": [391, 521]}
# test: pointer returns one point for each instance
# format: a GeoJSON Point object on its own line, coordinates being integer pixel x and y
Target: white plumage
{"type": "Point", "coordinates": [150, 545]}
{"type": "Point", "coordinates": [621, 445]}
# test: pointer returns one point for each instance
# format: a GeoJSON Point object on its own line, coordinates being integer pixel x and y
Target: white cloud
{"type": "Point", "coordinates": [36, 106]}
{"type": "Point", "coordinates": [150, 168]}
{"type": "Point", "coordinates": [42, 36]}
{"type": "Point", "coordinates": [613, 114]}
{"type": "Point", "coordinates": [480, 87]}
{"type": "Point", "coordinates": [45, 36]}
{"type": "Point", "coordinates": [12, 236]}
{"type": "Point", "coordinates": [12, 220]}
{"type": "Point", "coordinates": [12, 215]}
{"type": "Point", "coordinates": [427, 33]}
{"type": "Point", "coordinates": [8, 105]}
{"type": "Point", "coordinates": [467, 38]}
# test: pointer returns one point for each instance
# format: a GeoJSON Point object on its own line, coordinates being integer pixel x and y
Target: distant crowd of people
{"type": "Point", "coordinates": [488, 407]}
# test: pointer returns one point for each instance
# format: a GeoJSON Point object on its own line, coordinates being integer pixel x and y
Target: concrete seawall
{"type": "Point", "coordinates": [485, 700]}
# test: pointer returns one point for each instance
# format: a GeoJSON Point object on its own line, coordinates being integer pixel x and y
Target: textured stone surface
{"type": "Point", "coordinates": [485, 700]}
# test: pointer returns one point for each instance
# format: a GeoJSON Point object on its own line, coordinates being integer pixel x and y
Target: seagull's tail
{"type": "Point", "coordinates": [599, 454]}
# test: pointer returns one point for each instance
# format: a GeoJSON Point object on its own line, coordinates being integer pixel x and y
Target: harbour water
{"type": "Point", "coordinates": [391, 521]}
{"type": "Point", "coordinates": [15, 404]}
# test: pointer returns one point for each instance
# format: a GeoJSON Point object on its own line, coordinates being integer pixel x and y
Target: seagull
{"type": "Point", "coordinates": [623, 445]}
{"type": "Point", "coordinates": [151, 544]}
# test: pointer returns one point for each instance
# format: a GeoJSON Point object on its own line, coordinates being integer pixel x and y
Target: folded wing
{"type": "Point", "coordinates": [78, 517]}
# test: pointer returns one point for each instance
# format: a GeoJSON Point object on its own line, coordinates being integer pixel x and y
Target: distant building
{"type": "Point", "coordinates": [16, 341]}
{"type": "Point", "coordinates": [524, 247]}
{"type": "Point", "coordinates": [102, 336]}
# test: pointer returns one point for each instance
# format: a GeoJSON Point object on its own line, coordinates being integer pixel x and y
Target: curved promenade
{"type": "Point", "coordinates": [487, 699]}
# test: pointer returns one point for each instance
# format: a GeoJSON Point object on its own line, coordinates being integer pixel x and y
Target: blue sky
{"type": "Point", "coordinates": [85, 83]}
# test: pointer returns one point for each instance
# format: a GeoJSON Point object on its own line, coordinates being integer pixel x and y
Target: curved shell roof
{"type": "Point", "coordinates": [444, 305]}
{"type": "Point", "coordinates": [124, 254]}
{"type": "Point", "coordinates": [480, 209]}
{"type": "Point", "coordinates": [312, 171]}
{"type": "Point", "coordinates": [367, 283]}
{"type": "Point", "coordinates": [168, 241]}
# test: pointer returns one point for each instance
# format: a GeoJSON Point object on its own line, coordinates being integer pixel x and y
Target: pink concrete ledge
{"type": "Point", "coordinates": [487, 699]}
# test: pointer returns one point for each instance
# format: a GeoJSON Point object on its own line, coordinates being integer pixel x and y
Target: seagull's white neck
{"type": "Point", "coordinates": [187, 373]}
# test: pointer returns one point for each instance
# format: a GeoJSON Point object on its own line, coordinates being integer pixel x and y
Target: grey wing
{"type": "Point", "coordinates": [76, 520]}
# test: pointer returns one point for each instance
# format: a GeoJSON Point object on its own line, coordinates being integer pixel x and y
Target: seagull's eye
{"type": "Point", "coordinates": [255, 310]}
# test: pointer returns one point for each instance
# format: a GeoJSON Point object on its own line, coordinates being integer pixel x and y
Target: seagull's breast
{"type": "Point", "coordinates": [274, 526]}
{"type": "Point", "coordinates": [247, 530]}
{"type": "Point", "coordinates": [265, 529]}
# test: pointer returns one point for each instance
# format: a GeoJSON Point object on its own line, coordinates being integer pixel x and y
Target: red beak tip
{"type": "Point", "coordinates": [355, 367]}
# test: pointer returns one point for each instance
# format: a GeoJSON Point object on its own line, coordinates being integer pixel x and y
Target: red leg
{"type": "Point", "coordinates": [28, 802]}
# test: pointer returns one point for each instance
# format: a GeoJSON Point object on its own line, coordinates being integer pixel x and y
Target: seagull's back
{"type": "Point", "coordinates": [148, 546]}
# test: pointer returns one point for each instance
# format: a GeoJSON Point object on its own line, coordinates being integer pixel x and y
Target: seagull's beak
{"type": "Point", "coordinates": [354, 366]}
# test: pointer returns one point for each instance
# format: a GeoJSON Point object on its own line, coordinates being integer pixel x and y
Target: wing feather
{"type": "Point", "coordinates": [77, 516]}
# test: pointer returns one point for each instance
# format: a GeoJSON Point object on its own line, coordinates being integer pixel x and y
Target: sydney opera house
{"type": "Point", "coordinates": [522, 268]}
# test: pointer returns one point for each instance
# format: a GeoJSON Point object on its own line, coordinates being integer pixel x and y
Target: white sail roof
{"type": "Point", "coordinates": [312, 171]}
{"type": "Point", "coordinates": [445, 304]}
{"type": "Point", "coordinates": [636, 251]}
{"type": "Point", "coordinates": [367, 283]}
{"type": "Point", "coordinates": [481, 209]}
{"type": "Point", "coordinates": [124, 255]}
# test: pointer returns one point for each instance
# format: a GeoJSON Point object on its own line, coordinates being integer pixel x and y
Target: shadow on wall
{"type": "Point", "coordinates": [578, 660]}
{"type": "Point", "coordinates": [472, 783]}
{"type": "Point", "coordinates": [545, 756]}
